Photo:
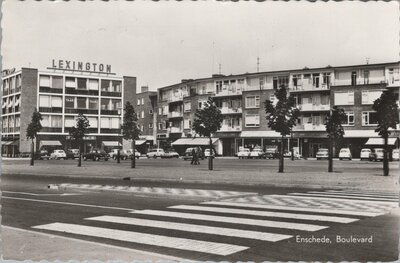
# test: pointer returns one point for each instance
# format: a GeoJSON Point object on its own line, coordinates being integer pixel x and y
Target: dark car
{"type": "Point", "coordinates": [271, 152]}
{"type": "Point", "coordinates": [42, 155]}
{"type": "Point", "coordinates": [96, 155]}
{"type": "Point", "coordinates": [69, 154]}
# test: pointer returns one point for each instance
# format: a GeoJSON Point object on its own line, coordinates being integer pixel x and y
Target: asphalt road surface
{"type": "Point", "coordinates": [208, 222]}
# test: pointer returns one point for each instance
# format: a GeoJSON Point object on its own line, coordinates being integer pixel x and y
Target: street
{"type": "Point", "coordinates": [190, 220]}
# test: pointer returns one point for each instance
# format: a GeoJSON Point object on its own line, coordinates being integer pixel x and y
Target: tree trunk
{"type": "Point", "coordinates": [330, 157]}
{"type": "Point", "coordinates": [291, 150]}
{"type": "Point", "coordinates": [133, 159]}
{"type": "Point", "coordinates": [210, 158]}
{"type": "Point", "coordinates": [80, 153]}
{"type": "Point", "coordinates": [32, 153]}
{"type": "Point", "coordinates": [118, 156]}
{"type": "Point", "coordinates": [281, 157]}
{"type": "Point", "coordinates": [385, 157]}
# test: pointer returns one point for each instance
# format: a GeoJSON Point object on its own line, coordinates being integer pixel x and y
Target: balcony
{"type": "Point", "coordinates": [226, 110]}
{"type": "Point", "coordinates": [175, 130]}
{"type": "Point", "coordinates": [309, 127]}
{"type": "Point", "coordinates": [226, 128]}
{"type": "Point", "coordinates": [305, 86]}
{"type": "Point", "coordinates": [175, 114]}
{"type": "Point", "coordinates": [81, 91]}
{"type": "Point", "coordinates": [359, 81]}
{"type": "Point", "coordinates": [393, 81]}
{"type": "Point", "coordinates": [229, 92]}
{"type": "Point", "coordinates": [52, 110]}
{"type": "Point", "coordinates": [314, 107]}
{"type": "Point", "coordinates": [109, 112]}
{"type": "Point", "coordinates": [51, 129]}
{"type": "Point", "coordinates": [50, 90]}
{"type": "Point", "coordinates": [177, 98]}
{"type": "Point", "coordinates": [111, 93]}
{"type": "Point", "coordinates": [108, 131]}
{"type": "Point", "coordinates": [83, 111]}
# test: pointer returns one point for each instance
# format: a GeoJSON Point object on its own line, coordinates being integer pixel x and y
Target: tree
{"type": "Point", "coordinates": [78, 132]}
{"type": "Point", "coordinates": [31, 132]}
{"type": "Point", "coordinates": [207, 121]}
{"type": "Point", "coordinates": [388, 117]}
{"type": "Point", "coordinates": [281, 117]}
{"type": "Point", "coordinates": [130, 129]}
{"type": "Point", "coordinates": [335, 130]}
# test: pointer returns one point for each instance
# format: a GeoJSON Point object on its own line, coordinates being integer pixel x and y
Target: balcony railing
{"type": "Point", "coordinates": [229, 92]}
{"type": "Point", "coordinates": [359, 81]}
{"type": "Point", "coordinates": [109, 112]}
{"type": "Point", "coordinates": [226, 128]}
{"type": "Point", "coordinates": [51, 129]}
{"type": "Point", "coordinates": [305, 86]}
{"type": "Point", "coordinates": [83, 111]}
{"type": "Point", "coordinates": [111, 93]}
{"type": "Point", "coordinates": [313, 107]}
{"type": "Point", "coordinates": [105, 130]}
{"type": "Point", "coordinates": [81, 91]}
{"type": "Point", "coordinates": [52, 110]}
{"type": "Point", "coordinates": [226, 110]}
{"type": "Point", "coordinates": [175, 130]}
{"type": "Point", "coordinates": [175, 114]}
{"type": "Point", "coordinates": [309, 127]}
{"type": "Point", "coordinates": [393, 81]}
{"type": "Point", "coordinates": [50, 90]}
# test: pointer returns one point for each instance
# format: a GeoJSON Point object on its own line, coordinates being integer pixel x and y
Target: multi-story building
{"type": "Point", "coordinates": [60, 93]}
{"type": "Point", "coordinates": [241, 98]}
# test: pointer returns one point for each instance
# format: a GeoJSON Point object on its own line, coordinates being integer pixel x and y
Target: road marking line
{"type": "Point", "coordinates": [133, 251]}
{"type": "Point", "coordinates": [67, 203]}
{"type": "Point", "coordinates": [222, 249]}
{"type": "Point", "coordinates": [33, 194]}
{"type": "Point", "coordinates": [193, 228]}
{"type": "Point", "coordinates": [225, 219]}
{"type": "Point", "coordinates": [334, 219]}
{"type": "Point", "coordinates": [361, 196]}
{"type": "Point", "coordinates": [350, 198]}
{"type": "Point", "coordinates": [303, 209]}
{"type": "Point", "coordinates": [364, 193]}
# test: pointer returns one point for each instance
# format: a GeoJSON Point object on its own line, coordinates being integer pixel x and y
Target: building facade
{"type": "Point", "coordinates": [241, 99]}
{"type": "Point", "coordinates": [60, 94]}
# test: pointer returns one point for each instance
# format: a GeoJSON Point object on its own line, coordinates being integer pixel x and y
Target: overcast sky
{"type": "Point", "coordinates": [163, 42]}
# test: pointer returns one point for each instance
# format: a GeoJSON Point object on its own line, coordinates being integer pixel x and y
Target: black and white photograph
{"type": "Point", "coordinates": [200, 131]}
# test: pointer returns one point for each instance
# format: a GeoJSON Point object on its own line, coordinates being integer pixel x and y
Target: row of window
{"type": "Point", "coordinates": [347, 97]}
{"type": "Point", "coordinates": [55, 121]}
{"type": "Point", "coordinates": [48, 101]}
{"type": "Point", "coordinates": [56, 82]}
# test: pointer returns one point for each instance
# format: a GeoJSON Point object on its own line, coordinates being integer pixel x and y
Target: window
{"type": "Point", "coordinates": [44, 81]}
{"type": "Point", "coordinates": [150, 125]}
{"type": "Point", "coordinates": [262, 82]}
{"type": "Point", "coordinates": [252, 120]}
{"type": "Point", "coordinates": [296, 80]}
{"type": "Point", "coordinates": [160, 126]}
{"type": "Point", "coordinates": [45, 121]}
{"type": "Point", "coordinates": [142, 101]}
{"type": "Point", "coordinates": [353, 78]}
{"type": "Point", "coordinates": [253, 102]}
{"type": "Point", "coordinates": [369, 96]}
{"type": "Point", "coordinates": [93, 84]}
{"type": "Point", "coordinates": [70, 82]}
{"type": "Point", "coordinates": [186, 123]}
{"type": "Point", "coordinates": [57, 82]}
{"type": "Point", "coordinates": [279, 81]}
{"type": "Point", "coordinates": [93, 121]}
{"type": "Point", "coordinates": [115, 104]}
{"type": "Point", "coordinates": [56, 102]}
{"type": "Point", "coordinates": [138, 102]}
{"type": "Point", "coordinates": [160, 111]}
{"type": "Point", "coordinates": [350, 118]}
{"type": "Point", "coordinates": [344, 98]}
{"type": "Point", "coordinates": [200, 105]}
{"type": "Point", "coordinates": [56, 121]}
{"type": "Point", "coordinates": [366, 76]}
{"type": "Point", "coordinates": [150, 112]}
{"type": "Point", "coordinates": [116, 85]}
{"type": "Point", "coordinates": [316, 80]}
{"type": "Point", "coordinates": [81, 103]}
{"type": "Point", "coordinates": [187, 106]}
{"type": "Point", "coordinates": [142, 128]}
{"type": "Point", "coordinates": [69, 102]}
{"type": "Point", "coordinates": [82, 83]}
{"type": "Point", "coordinates": [44, 101]}
{"type": "Point", "coordinates": [109, 123]}
{"type": "Point", "coordinates": [272, 99]}
{"type": "Point", "coordinates": [93, 103]}
{"type": "Point", "coordinates": [326, 79]}
{"type": "Point", "coordinates": [69, 121]}
{"type": "Point", "coordinates": [369, 118]}
{"type": "Point", "coordinates": [105, 104]}
{"type": "Point", "coordinates": [142, 114]}
{"type": "Point", "coordinates": [165, 110]}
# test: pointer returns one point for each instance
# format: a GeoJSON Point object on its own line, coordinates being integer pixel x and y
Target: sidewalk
{"type": "Point", "coordinates": [367, 179]}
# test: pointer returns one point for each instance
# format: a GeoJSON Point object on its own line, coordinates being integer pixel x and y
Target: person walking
{"type": "Point", "coordinates": [193, 156]}
{"type": "Point", "coordinates": [198, 154]}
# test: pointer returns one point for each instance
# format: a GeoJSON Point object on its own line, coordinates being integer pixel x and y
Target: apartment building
{"type": "Point", "coordinates": [241, 99]}
{"type": "Point", "coordinates": [60, 94]}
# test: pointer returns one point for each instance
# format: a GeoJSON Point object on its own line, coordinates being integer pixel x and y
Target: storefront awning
{"type": "Point", "coordinates": [194, 141]}
{"type": "Point", "coordinates": [139, 142]}
{"type": "Point", "coordinates": [50, 143]}
{"type": "Point", "coordinates": [360, 134]}
{"type": "Point", "coordinates": [380, 141]}
{"type": "Point", "coordinates": [111, 143]}
{"type": "Point", "coordinates": [147, 138]}
{"type": "Point", "coordinates": [9, 142]}
{"type": "Point", "coordinates": [260, 134]}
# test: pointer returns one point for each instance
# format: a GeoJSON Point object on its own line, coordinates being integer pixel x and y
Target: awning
{"type": "Point", "coordinates": [380, 141]}
{"type": "Point", "coordinates": [50, 143]}
{"type": "Point", "coordinates": [111, 143]}
{"type": "Point", "coordinates": [147, 138]}
{"type": "Point", "coordinates": [15, 142]}
{"type": "Point", "coordinates": [260, 134]}
{"type": "Point", "coordinates": [360, 134]}
{"type": "Point", "coordinates": [139, 142]}
{"type": "Point", "coordinates": [194, 141]}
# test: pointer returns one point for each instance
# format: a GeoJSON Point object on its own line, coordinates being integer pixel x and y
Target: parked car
{"type": "Point", "coordinates": [345, 154]}
{"type": "Point", "coordinates": [207, 153]}
{"type": "Point", "coordinates": [376, 155]}
{"type": "Point", "coordinates": [365, 153]}
{"type": "Point", "coordinates": [257, 153]}
{"type": "Point", "coordinates": [188, 154]}
{"type": "Point", "coordinates": [123, 155]}
{"type": "Point", "coordinates": [130, 155]}
{"type": "Point", "coordinates": [58, 155]}
{"type": "Point", "coordinates": [42, 155]}
{"type": "Point", "coordinates": [395, 155]}
{"type": "Point", "coordinates": [154, 153]}
{"type": "Point", "coordinates": [243, 153]}
{"type": "Point", "coordinates": [170, 154]}
{"type": "Point", "coordinates": [271, 152]}
{"type": "Point", "coordinates": [96, 155]}
{"type": "Point", "coordinates": [69, 154]}
{"type": "Point", "coordinates": [322, 153]}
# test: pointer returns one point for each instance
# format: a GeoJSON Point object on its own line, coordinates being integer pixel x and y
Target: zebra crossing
{"type": "Point", "coordinates": [232, 225]}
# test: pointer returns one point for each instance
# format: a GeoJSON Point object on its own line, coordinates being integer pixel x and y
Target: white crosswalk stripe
{"type": "Point", "coordinates": [148, 239]}
{"type": "Point", "coordinates": [267, 213]}
{"type": "Point", "coordinates": [358, 198]}
{"type": "Point", "coordinates": [225, 219]}
{"type": "Point", "coordinates": [193, 228]}
{"type": "Point", "coordinates": [377, 196]}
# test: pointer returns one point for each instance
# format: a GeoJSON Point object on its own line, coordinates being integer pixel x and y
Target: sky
{"type": "Point", "coordinates": [163, 42]}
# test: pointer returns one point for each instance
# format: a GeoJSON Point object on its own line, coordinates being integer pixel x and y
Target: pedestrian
{"type": "Point", "coordinates": [193, 156]}
{"type": "Point", "coordinates": [198, 154]}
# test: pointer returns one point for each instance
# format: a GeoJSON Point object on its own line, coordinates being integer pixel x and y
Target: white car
{"type": "Point", "coordinates": [345, 154]}
{"type": "Point", "coordinates": [154, 153]}
{"type": "Point", "coordinates": [395, 154]}
{"type": "Point", "coordinates": [58, 154]}
{"type": "Point", "coordinates": [207, 153]}
{"type": "Point", "coordinates": [256, 153]}
{"type": "Point", "coordinates": [322, 153]}
{"type": "Point", "coordinates": [243, 153]}
{"type": "Point", "coordinates": [137, 153]}
{"type": "Point", "coordinates": [365, 153]}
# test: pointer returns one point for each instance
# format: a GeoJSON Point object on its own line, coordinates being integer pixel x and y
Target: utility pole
{"type": "Point", "coordinates": [258, 64]}
{"type": "Point", "coordinates": [219, 65]}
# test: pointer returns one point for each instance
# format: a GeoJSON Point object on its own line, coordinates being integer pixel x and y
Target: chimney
{"type": "Point", "coordinates": [144, 88]}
